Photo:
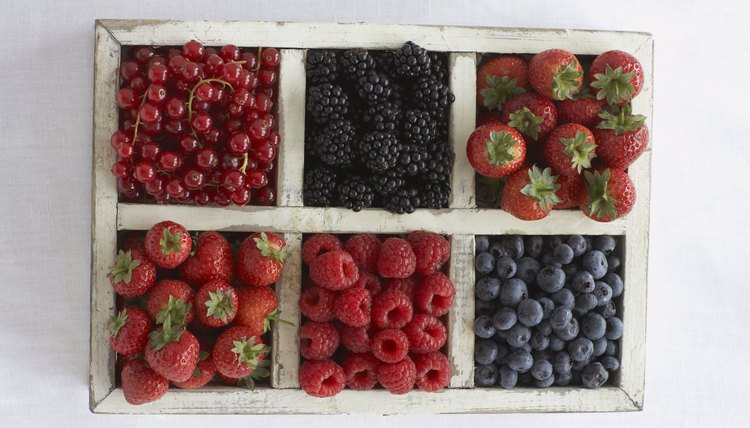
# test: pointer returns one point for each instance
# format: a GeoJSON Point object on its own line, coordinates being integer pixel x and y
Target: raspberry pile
{"type": "Point", "coordinates": [197, 124]}
{"type": "Point", "coordinates": [372, 313]}
{"type": "Point", "coordinates": [376, 133]}
{"type": "Point", "coordinates": [545, 311]}
{"type": "Point", "coordinates": [189, 311]}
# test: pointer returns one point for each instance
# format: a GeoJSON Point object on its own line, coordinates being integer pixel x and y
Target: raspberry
{"type": "Point", "coordinates": [317, 303]}
{"type": "Point", "coordinates": [318, 340]}
{"type": "Point", "coordinates": [391, 309]}
{"type": "Point", "coordinates": [361, 370]}
{"type": "Point", "coordinates": [431, 249]}
{"type": "Point", "coordinates": [321, 378]}
{"type": "Point", "coordinates": [398, 378]}
{"type": "Point", "coordinates": [390, 346]}
{"type": "Point", "coordinates": [352, 307]}
{"type": "Point", "coordinates": [364, 250]}
{"type": "Point", "coordinates": [425, 333]}
{"type": "Point", "coordinates": [368, 281]}
{"type": "Point", "coordinates": [334, 270]}
{"type": "Point", "coordinates": [396, 259]}
{"type": "Point", "coordinates": [434, 295]}
{"type": "Point", "coordinates": [316, 245]}
{"type": "Point", "coordinates": [433, 371]}
{"type": "Point", "coordinates": [356, 339]}
{"type": "Point", "coordinates": [407, 285]}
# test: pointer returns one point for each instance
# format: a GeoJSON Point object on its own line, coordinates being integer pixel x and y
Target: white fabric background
{"type": "Point", "coordinates": [699, 286]}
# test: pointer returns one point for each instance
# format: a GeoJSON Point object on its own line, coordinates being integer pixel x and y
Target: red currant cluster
{"type": "Point", "coordinates": [197, 124]}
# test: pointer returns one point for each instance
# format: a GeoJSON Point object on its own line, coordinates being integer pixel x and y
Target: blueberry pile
{"type": "Point", "coordinates": [545, 313]}
{"type": "Point", "coordinates": [376, 131]}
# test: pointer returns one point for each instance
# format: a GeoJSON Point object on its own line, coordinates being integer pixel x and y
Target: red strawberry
{"type": "Point", "coordinates": [261, 259]}
{"type": "Point", "coordinates": [622, 137]}
{"type": "Point", "coordinates": [132, 274]}
{"type": "Point", "coordinates": [532, 115]}
{"type": "Point", "coordinates": [129, 331]}
{"type": "Point", "coordinates": [204, 370]}
{"type": "Point", "coordinates": [529, 194]}
{"type": "Point", "coordinates": [134, 241]}
{"type": "Point", "coordinates": [257, 308]}
{"type": "Point", "coordinates": [496, 150]}
{"type": "Point", "coordinates": [570, 185]}
{"type": "Point", "coordinates": [168, 244]}
{"type": "Point", "coordinates": [499, 79]}
{"type": "Point", "coordinates": [173, 299]}
{"type": "Point", "coordinates": [172, 352]}
{"type": "Point", "coordinates": [606, 195]}
{"type": "Point", "coordinates": [238, 351]}
{"type": "Point", "coordinates": [556, 74]}
{"type": "Point", "coordinates": [584, 110]}
{"type": "Point", "coordinates": [212, 260]}
{"type": "Point", "coordinates": [569, 149]}
{"type": "Point", "coordinates": [140, 384]}
{"type": "Point", "coordinates": [616, 76]}
{"type": "Point", "coordinates": [216, 303]}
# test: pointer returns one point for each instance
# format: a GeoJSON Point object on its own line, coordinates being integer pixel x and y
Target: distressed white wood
{"type": "Point", "coordinates": [291, 127]}
{"type": "Point", "coordinates": [463, 74]}
{"type": "Point", "coordinates": [285, 373]}
{"type": "Point", "coordinates": [461, 316]}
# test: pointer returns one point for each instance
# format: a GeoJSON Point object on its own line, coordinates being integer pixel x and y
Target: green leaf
{"type": "Point", "coordinates": [567, 81]}
{"type": "Point", "coordinates": [526, 122]}
{"type": "Point", "coordinates": [620, 119]}
{"type": "Point", "coordinates": [170, 242]}
{"type": "Point", "coordinates": [175, 310]}
{"type": "Point", "coordinates": [500, 90]}
{"type": "Point", "coordinates": [269, 250]}
{"type": "Point", "coordinates": [614, 85]}
{"type": "Point", "coordinates": [580, 150]}
{"type": "Point", "coordinates": [167, 335]}
{"type": "Point", "coordinates": [274, 315]}
{"type": "Point", "coordinates": [600, 202]}
{"type": "Point", "coordinates": [249, 351]}
{"type": "Point", "coordinates": [123, 268]}
{"type": "Point", "coordinates": [220, 305]}
{"type": "Point", "coordinates": [542, 187]}
{"type": "Point", "coordinates": [117, 322]}
{"type": "Point", "coordinates": [500, 148]}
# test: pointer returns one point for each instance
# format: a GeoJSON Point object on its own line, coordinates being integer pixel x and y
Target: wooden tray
{"type": "Point", "coordinates": [462, 220]}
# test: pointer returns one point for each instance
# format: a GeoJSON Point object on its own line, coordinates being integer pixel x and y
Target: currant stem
{"type": "Point", "coordinates": [138, 116]}
{"type": "Point", "coordinates": [191, 96]}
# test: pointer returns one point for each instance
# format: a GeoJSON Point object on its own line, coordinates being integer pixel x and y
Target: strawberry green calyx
{"type": "Point", "coordinates": [499, 147]}
{"type": "Point", "coordinates": [260, 373]}
{"type": "Point", "coordinates": [501, 89]}
{"type": "Point", "coordinates": [249, 351]}
{"type": "Point", "coordinates": [567, 81]}
{"type": "Point", "coordinates": [220, 305]}
{"type": "Point", "coordinates": [614, 85]}
{"type": "Point", "coordinates": [123, 268]}
{"type": "Point", "coordinates": [175, 312]}
{"type": "Point", "coordinates": [275, 315]}
{"type": "Point", "coordinates": [579, 150]}
{"type": "Point", "coordinates": [526, 122]}
{"type": "Point", "coordinates": [601, 203]}
{"type": "Point", "coordinates": [167, 335]}
{"type": "Point", "coordinates": [117, 322]}
{"type": "Point", "coordinates": [170, 242]}
{"type": "Point", "coordinates": [620, 119]}
{"type": "Point", "coordinates": [542, 187]}
{"type": "Point", "coordinates": [270, 250]}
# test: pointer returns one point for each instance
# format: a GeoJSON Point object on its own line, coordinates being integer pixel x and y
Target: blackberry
{"type": "Point", "coordinates": [383, 116]}
{"type": "Point", "coordinates": [322, 67]}
{"type": "Point", "coordinates": [413, 160]}
{"type": "Point", "coordinates": [438, 68]}
{"type": "Point", "coordinates": [326, 102]}
{"type": "Point", "coordinates": [335, 144]}
{"type": "Point", "coordinates": [411, 60]}
{"type": "Point", "coordinates": [355, 193]}
{"type": "Point", "coordinates": [404, 201]}
{"type": "Point", "coordinates": [383, 60]}
{"type": "Point", "coordinates": [386, 183]}
{"type": "Point", "coordinates": [434, 195]}
{"type": "Point", "coordinates": [432, 96]}
{"type": "Point", "coordinates": [418, 127]}
{"type": "Point", "coordinates": [319, 187]}
{"type": "Point", "coordinates": [358, 112]}
{"type": "Point", "coordinates": [439, 163]}
{"type": "Point", "coordinates": [379, 150]}
{"type": "Point", "coordinates": [356, 63]}
{"type": "Point", "coordinates": [373, 87]}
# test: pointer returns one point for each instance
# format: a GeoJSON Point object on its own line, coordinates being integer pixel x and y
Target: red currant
{"type": "Point", "coordinates": [231, 73]}
{"type": "Point", "coordinates": [201, 122]}
{"type": "Point", "coordinates": [181, 86]}
{"type": "Point", "coordinates": [169, 161]}
{"type": "Point", "coordinates": [184, 196]}
{"type": "Point", "coordinates": [150, 150]}
{"type": "Point", "coordinates": [230, 162]}
{"type": "Point", "coordinates": [156, 185]}
{"type": "Point", "coordinates": [204, 92]}
{"type": "Point", "coordinates": [235, 110]}
{"type": "Point", "coordinates": [120, 137]}
{"type": "Point", "coordinates": [127, 99]}
{"type": "Point", "coordinates": [203, 197]}
{"type": "Point", "coordinates": [149, 113]}
{"type": "Point", "coordinates": [177, 64]}
{"type": "Point", "coordinates": [156, 93]}
{"type": "Point", "coordinates": [268, 92]}
{"type": "Point", "coordinates": [152, 128]}
{"type": "Point", "coordinates": [126, 184]}
{"type": "Point", "coordinates": [238, 144]}
{"type": "Point", "coordinates": [176, 108]}
{"type": "Point", "coordinates": [210, 51]}
{"type": "Point", "coordinates": [206, 159]}
{"type": "Point", "coordinates": [229, 53]}
{"type": "Point", "coordinates": [221, 197]}
{"type": "Point", "coordinates": [129, 70]}
{"type": "Point", "coordinates": [174, 187]}
{"type": "Point", "coordinates": [194, 179]}
{"type": "Point", "coordinates": [258, 130]}
{"type": "Point", "coordinates": [251, 60]}
{"type": "Point", "coordinates": [144, 171]}
{"type": "Point", "coordinates": [214, 65]}
{"type": "Point", "coordinates": [267, 78]}
{"type": "Point", "coordinates": [232, 179]}
{"type": "Point", "coordinates": [157, 59]}
{"type": "Point", "coordinates": [191, 72]}
{"type": "Point", "coordinates": [201, 106]}
{"type": "Point", "coordinates": [232, 125]}
{"type": "Point", "coordinates": [264, 152]}
{"type": "Point", "coordinates": [143, 54]}
{"type": "Point", "coordinates": [273, 139]}
{"type": "Point", "coordinates": [193, 50]}
{"type": "Point", "coordinates": [176, 126]}
{"type": "Point", "coordinates": [139, 85]}
{"type": "Point", "coordinates": [248, 80]}
{"type": "Point", "coordinates": [240, 196]}
{"type": "Point", "coordinates": [264, 196]}
{"type": "Point", "coordinates": [120, 169]}
{"type": "Point", "coordinates": [161, 198]}
{"type": "Point", "coordinates": [158, 73]}
{"type": "Point", "coordinates": [263, 103]}
{"type": "Point", "coordinates": [265, 166]}
{"type": "Point", "coordinates": [125, 151]}
{"type": "Point", "coordinates": [256, 179]}
{"type": "Point", "coordinates": [214, 177]}
{"type": "Point", "coordinates": [269, 119]}
{"type": "Point", "coordinates": [251, 116]}
{"type": "Point", "coordinates": [189, 144]}
{"type": "Point", "coordinates": [270, 58]}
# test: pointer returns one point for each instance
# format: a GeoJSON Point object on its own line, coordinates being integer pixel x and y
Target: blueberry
{"type": "Point", "coordinates": [544, 354]}
{"type": "Point", "coordinates": [563, 254]}
{"type": "Point", "coordinates": [563, 379]}
{"type": "Point", "coordinates": [614, 328]}
{"type": "Point", "coordinates": [550, 242]}
{"type": "Point", "coordinates": [550, 279]}
{"type": "Point", "coordinates": [518, 335]}
{"type": "Point", "coordinates": [502, 354]}
{"type": "Point", "coordinates": [605, 244]}
{"type": "Point", "coordinates": [497, 250]}
{"type": "Point", "coordinates": [581, 349]}
{"type": "Point", "coordinates": [607, 311]}
{"type": "Point", "coordinates": [547, 306]}
{"type": "Point", "coordinates": [603, 293]}
{"type": "Point", "coordinates": [484, 263]}
{"type": "Point", "coordinates": [513, 291]}
{"type": "Point", "coordinates": [485, 374]}
{"type": "Point", "coordinates": [487, 288]}
{"type": "Point", "coordinates": [520, 361]}
{"type": "Point", "coordinates": [482, 307]}
{"type": "Point", "coordinates": [562, 362]}
{"type": "Point", "coordinates": [527, 268]}
{"type": "Point", "coordinates": [611, 348]}
{"type": "Point", "coordinates": [610, 363]}
{"type": "Point", "coordinates": [549, 260]}
{"type": "Point", "coordinates": [513, 246]}
{"type": "Point", "coordinates": [533, 246]}
{"type": "Point", "coordinates": [615, 282]}
{"type": "Point", "coordinates": [508, 377]}
{"type": "Point", "coordinates": [483, 327]}
{"type": "Point", "coordinates": [564, 298]}
{"type": "Point", "coordinates": [541, 370]}
{"type": "Point", "coordinates": [577, 244]}
{"type": "Point", "coordinates": [577, 366]}
{"type": "Point", "coordinates": [593, 326]}
{"type": "Point", "coordinates": [600, 347]}
{"type": "Point", "coordinates": [504, 318]}
{"type": "Point", "coordinates": [582, 282]}
{"type": "Point", "coordinates": [485, 351]}
{"type": "Point", "coordinates": [499, 337]}
{"type": "Point", "coordinates": [589, 243]}
{"type": "Point", "coordinates": [481, 243]}
{"type": "Point", "coordinates": [526, 348]}
{"type": "Point", "coordinates": [595, 262]}
{"type": "Point", "coordinates": [544, 328]}
{"type": "Point", "coordinates": [613, 263]}
{"type": "Point", "coordinates": [560, 318]}
{"type": "Point", "coordinates": [555, 343]}
{"type": "Point", "coordinates": [569, 332]}
{"type": "Point", "coordinates": [570, 270]}
{"type": "Point", "coordinates": [539, 341]}
{"type": "Point", "coordinates": [505, 267]}
{"type": "Point", "coordinates": [545, 383]}
{"type": "Point", "coordinates": [585, 303]}
{"type": "Point", "coordinates": [594, 375]}
{"type": "Point", "coordinates": [530, 312]}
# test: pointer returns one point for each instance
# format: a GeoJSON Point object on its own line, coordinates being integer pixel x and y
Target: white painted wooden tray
{"type": "Point", "coordinates": [461, 221]}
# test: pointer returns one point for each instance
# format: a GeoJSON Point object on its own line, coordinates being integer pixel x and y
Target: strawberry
{"type": "Point", "coordinates": [569, 149]}
{"type": "Point", "coordinates": [616, 76]}
{"type": "Point", "coordinates": [168, 244]}
{"type": "Point", "coordinates": [530, 114]}
{"type": "Point", "coordinates": [622, 137]}
{"type": "Point", "coordinates": [261, 259]}
{"type": "Point", "coordinates": [132, 274]}
{"type": "Point", "coordinates": [216, 303]}
{"type": "Point", "coordinates": [129, 331]}
{"type": "Point", "coordinates": [556, 74]}
{"type": "Point", "coordinates": [570, 185]}
{"type": "Point", "coordinates": [237, 352]}
{"type": "Point", "coordinates": [606, 195]}
{"type": "Point", "coordinates": [489, 117]}
{"type": "Point", "coordinates": [212, 260]}
{"type": "Point", "coordinates": [172, 352]}
{"type": "Point", "coordinates": [141, 384]}
{"type": "Point", "coordinates": [496, 150]}
{"type": "Point", "coordinates": [204, 370]}
{"type": "Point", "coordinates": [583, 110]}
{"type": "Point", "coordinates": [173, 299]}
{"type": "Point", "coordinates": [258, 306]}
{"type": "Point", "coordinates": [529, 193]}
{"type": "Point", "coordinates": [134, 241]}
{"type": "Point", "coordinates": [499, 79]}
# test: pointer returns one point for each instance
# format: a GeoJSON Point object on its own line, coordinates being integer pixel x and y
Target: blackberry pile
{"type": "Point", "coordinates": [377, 129]}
